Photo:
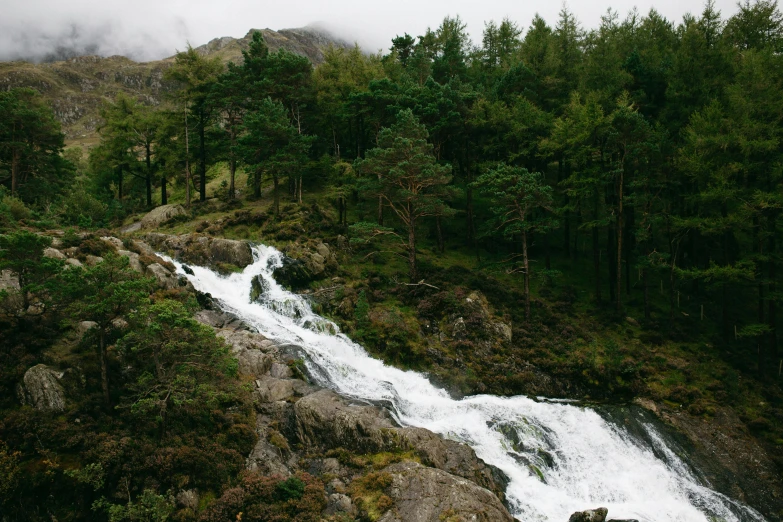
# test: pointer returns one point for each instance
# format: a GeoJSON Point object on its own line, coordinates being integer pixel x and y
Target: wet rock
{"type": "Point", "coordinates": [293, 274]}
{"type": "Point", "coordinates": [160, 215]}
{"type": "Point", "coordinates": [258, 287]}
{"type": "Point", "coordinates": [591, 515]}
{"type": "Point", "coordinates": [41, 388]}
{"type": "Point", "coordinates": [421, 494]}
{"type": "Point", "coordinates": [202, 250]}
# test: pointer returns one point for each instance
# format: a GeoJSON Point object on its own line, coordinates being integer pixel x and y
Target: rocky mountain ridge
{"type": "Point", "coordinates": [77, 87]}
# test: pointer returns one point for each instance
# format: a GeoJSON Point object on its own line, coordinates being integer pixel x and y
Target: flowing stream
{"type": "Point", "coordinates": [559, 457]}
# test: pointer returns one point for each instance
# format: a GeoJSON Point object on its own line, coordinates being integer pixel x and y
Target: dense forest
{"type": "Point", "coordinates": [639, 162]}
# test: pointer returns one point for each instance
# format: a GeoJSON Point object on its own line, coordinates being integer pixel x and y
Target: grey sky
{"type": "Point", "coordinates": [151, 29]}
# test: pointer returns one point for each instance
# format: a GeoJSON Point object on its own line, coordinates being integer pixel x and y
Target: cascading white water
{"type": "Point", "coordinates": [560, 458]}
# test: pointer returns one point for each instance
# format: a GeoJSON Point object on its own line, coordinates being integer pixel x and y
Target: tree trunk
{"type": "Point", "coordinates": [232, 169]}
{"type": "Point", "coordinates": [119, 182]}
{"type": "Point", "coordinates": [257, 176]}
{"type": "Point", "coordinates": [148, 180]}
{"type": "Point", "coordinates": [380, 211]}
{"type": "Point", "coordinates": [104, 367]}
{"type": "Point", "coordinates": [300, 189]}
{"type": "Point", "coordinates": [526, 267]}
{"type": "Point", "coordinates": [411, 246]}
{"type": "Point", "coordinates": [164, 200]}
{"type": "Point", "coordinates": [646, 295]}
{"type": "Point", "coordinates": [14, 171]}
{"type": "Point", "coordinates": [441, 244]}
{"type": "Point", "coordinates": [772, 314]}
{"type": "Point", "coordinates": [202, 152]}
{"type": "Point", "coordinates": [610, 264]}
{"type": "Point", "coordinates": [619, 274]}
{"type": "Point", "coordinates": [187, 161]}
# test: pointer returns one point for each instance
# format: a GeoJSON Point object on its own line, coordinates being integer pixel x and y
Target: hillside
{"type": "Point", "coordinates": [76, 87]}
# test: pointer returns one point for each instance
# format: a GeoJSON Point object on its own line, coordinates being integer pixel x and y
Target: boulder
{"type": "Point", "coordinates": [293, 274]}
{"type": "Point", "coordinates": [93, 260]}
{"type": "Point", "coordinates": [267, 459]}
{"type": "Point", "coordinates": [253, 362]}
{"type": "Point", "coordinates": [421, 494]}
{"type": "Point", "coordinates": [85, 326]}
{"type": "Point", "coordinates": [324, 419]}
{"type": "Point", "coordinates": [8, 281]}
{"type": "Point", "coordinates": [188, 498]}
{"type": "Point", "coordinates": [73, 262]}
{"type": "Point", "coordinates": [165, 279]}
{"type": "Point", "coordinates": [202, 250]}
{"type": "Point", "coordinates": [270, 389]}
{"type": "Point", "coordinates": [280, 371]}
{"type": "Point", "coordinates": [161, 215]}
{"type": "Point", "coordinates": [258, 287]}
{"type": "Point", "coordinates": [338, 503]}
{"type": "Point", "coordinates": [133, 260]}
{"type": "Point", "coordinates": [591, 515]}
{"type": "Point", "coordinates": [114, 242]}
{"type": "Point", "coordinates": [41, 388]}
{"type": "Point", "coordinates": [53, 253]}
{"type": "Point", "coordinates": [237, 253]}
{"type": "Point", "coordinates": [455, 458]}
{"type": "Point", "coordinates": [243, 340]}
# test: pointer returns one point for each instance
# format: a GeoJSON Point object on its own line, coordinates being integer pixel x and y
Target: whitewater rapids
{"type": "Point", "coordinates": [560, 458]}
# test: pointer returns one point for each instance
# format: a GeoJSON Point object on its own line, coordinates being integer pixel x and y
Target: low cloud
{"type": "Point", "coordinates": [152, 29]}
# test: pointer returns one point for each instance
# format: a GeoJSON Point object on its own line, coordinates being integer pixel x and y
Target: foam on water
{"type": "Point", "coordinates": [559, 457]}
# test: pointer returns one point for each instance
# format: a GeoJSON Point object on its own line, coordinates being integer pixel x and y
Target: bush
{"type": "Point", "coordinates": [81, 208]}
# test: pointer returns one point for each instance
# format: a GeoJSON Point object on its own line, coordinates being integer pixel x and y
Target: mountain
{"type": "Point", "coordinates": [77, 87]}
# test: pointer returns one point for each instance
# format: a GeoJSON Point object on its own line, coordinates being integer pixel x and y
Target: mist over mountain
{"type": "Point", "coordinates": [41, 41]}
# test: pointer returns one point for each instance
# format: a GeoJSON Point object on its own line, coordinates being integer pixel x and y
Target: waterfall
{"type": "Point", "coordinates": [559, 457]}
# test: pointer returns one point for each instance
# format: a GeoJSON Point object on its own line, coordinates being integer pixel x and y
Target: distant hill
{"type": "Point", "coordinates": [76, 87]}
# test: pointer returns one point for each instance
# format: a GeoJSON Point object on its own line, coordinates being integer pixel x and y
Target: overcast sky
{"type": "Point", "coordinates": [152, 29]}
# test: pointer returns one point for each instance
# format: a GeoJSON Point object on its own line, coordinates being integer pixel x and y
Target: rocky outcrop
{"type": "Point", "coordinates": [41, 388]}
{"type": "Point", "coordinates": [203, 250]}
{"type": "Point", "coordinates": [160, 215]}
{"type": "Point", "coordinates": [305, 262]}
{"type": "Point", "coordinates": [163, 276]}
{"type": "Point", "coordinates": [327, 420]}
{"type": "Point", "coordinates": [422, 494]}
{"type": "Point", "coordinates": [591, 515]}
{"type": "Point", "coordinates": [455, 458]}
